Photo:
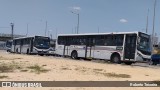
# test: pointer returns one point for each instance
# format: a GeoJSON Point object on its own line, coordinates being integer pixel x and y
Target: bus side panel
{"type": "Point", "coordinates": [59, 49]}
{"type": "Point", "coordinates": [13, 48]}
{"type": "Point", "coordinates": [80, 50]}
{"type": "Point", "coordinates": [97, 53]}
{"type": "Point", "coordinates": [17, 48]}
{"type": "Point", "coordinates": [90, 52]}
{"type": "Point", "coordinates": [24, 48]}
{"type": "Point", "coordinates": [103, 52]}
{"type": "Point", "coordinates": [67, 50]}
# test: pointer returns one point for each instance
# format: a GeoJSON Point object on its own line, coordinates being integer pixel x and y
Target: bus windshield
{"type": "Point", "coordinates": [9, 44]}
{"type": "Point", "coordinates": [42, 42]}
{"type": "Point", "coordinates": [144, 44]}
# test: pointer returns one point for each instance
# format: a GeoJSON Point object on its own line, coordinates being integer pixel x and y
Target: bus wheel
{"type": "Point", "coordinates": [128, 63]}
{"type": "Point", "coordinates": [152, 63]}
{"type": "Point", "coordinates": [27, 51]}
{"type": "Point", "coordinates": [17, 50]}
{"type": "Point", "coordinates": [115, 59]}
{"type": "Point", "coordinates": [74, 55]}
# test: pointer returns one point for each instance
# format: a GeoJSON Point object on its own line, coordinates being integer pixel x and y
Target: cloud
{"type": "Point", "coordinates": [76, 8]}
{"type": "Point", "coordinates": [123, 20]}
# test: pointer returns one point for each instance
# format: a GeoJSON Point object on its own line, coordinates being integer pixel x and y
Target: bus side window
{"type": "Point", "coordinates": [61, 40]}
{"type": "Point", "coordinates": [18, 42]}
{"type": "Point", "coordinates": [74, 40]}
{"type": "Point", "coordinates": [82, 40]}
{"type": "Point", "coordinates": [68, 40]}
{"type": "Point", "coordinates": [22, 41]}
{"type": "Point", "coordinates": [119, 40]}
{"type": "Point", "coordinates": [99, 40]}
{"type": "Point", "coordinates": [108, 40]}
{"type": "Point", "coordinates": [14, 42]}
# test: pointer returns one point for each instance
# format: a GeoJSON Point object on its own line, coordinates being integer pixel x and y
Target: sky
{"type": "Point", "coordinates": [94, 15]}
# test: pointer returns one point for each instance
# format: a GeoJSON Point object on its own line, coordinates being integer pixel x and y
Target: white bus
{"type": "Point", "coordinates": [127, 47]}
{"type": "Point", "coordinates": [31, 45]}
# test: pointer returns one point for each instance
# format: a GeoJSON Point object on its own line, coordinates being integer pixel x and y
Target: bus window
{"type": "Point", "coordinates": [109, 40]}
{"type": "Point", "coordinates": [119, 40]}
{"type": "Point", "coordinates": [100, 40]}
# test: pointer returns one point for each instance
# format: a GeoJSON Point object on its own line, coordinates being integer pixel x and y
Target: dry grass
{"type": "Point", "coordinates": [117, 75]}
{"type": "Point", "coordinates": [114, 75]}
{"type": "Point", "coordinates": [101, 72]}
{"type": "Point", "coordinates": [5, 58]}
{"type": "Point", "coordinates": [23, 70]}
{"type": "Point", "coordinates": [9, 67]}
{"type": "Point", "coordinates": [44, 65]}
{"type": "Point", "coordinates": [82, 69]}
{"type": "Point", "coordinates": [1, 77]}
{"type": "Point", "coordinates": [98, 69]}
{"type": "Point", "coordinates": [65, 68]}
{"type": "Point", "coordinates": [38, 69]}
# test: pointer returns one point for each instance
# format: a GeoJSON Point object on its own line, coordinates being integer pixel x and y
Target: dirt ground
{"type": "Point", "coordinates": [19, 67]}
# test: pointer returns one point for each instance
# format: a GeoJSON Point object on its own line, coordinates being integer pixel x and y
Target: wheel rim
{"type": "Point", "coordinates": [116, 59]}
{"type": "Point", "coordinates": [74, 56]}
{"type": "Point", "coordinates": [151, 62]}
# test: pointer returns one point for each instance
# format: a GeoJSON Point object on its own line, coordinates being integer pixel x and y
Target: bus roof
{"type": "Point", "coordinates": [9, 40]}
{"type": "Point", "coordinates": [28, 37]}
{"type": "Point", "coordinates": [136, 32]}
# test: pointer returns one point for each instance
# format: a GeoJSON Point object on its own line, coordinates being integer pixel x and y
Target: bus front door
{"type": "Point", "coordinates": [66, 47]}
{"type": "Point", "coordinates": [89, 48]}
{"type": "Point", "coordinates": [130, 47]}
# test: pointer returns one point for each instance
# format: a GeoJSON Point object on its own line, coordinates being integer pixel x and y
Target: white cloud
{"type": "Point", "coordinates": [123, 20]}
{"type": "Point", "coordinates": [76, 8]}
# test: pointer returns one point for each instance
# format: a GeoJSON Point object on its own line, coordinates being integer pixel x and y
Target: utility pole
{"type": "Point", "coordinates": [78, 24]}
{"type": "Point", "coordinates": [51, 36]}
{"type": "Point", "coordinates": [75, 30]}
{"type": "Point", "coordinates": [12, 30]}
{"type": "Point", "coordinates": [98, 29]}
{"type": "Point", "coordinates": [56, 33]}
{"type": "Point", "coordinates": [147, 22]}
{"type": "Point", "coordinates": [27, 30]}
{"type": "Point", "coordinates": [78, 21]}
{"type": "Point", "coordinates": [46, 28]}
{"type": "Point", "coordinates": [153, 24]}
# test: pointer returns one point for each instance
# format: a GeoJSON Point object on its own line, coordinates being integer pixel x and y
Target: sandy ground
{"type": "Point", "coordinates": [65, 69]}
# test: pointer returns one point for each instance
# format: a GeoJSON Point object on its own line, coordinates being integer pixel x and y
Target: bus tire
{"type": "Point", "coordinates": [17, 50]}
{"type": "Point", "coordinates": [151, 62]}
{"type": "Point", "coordinates": [128, 63]}
{"type": "Point", "coordinates": [74, 55]}
{"type": "Point", "coordinates": [115, 58]}
{"type": "Point", "coordinates": [27, 51]}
